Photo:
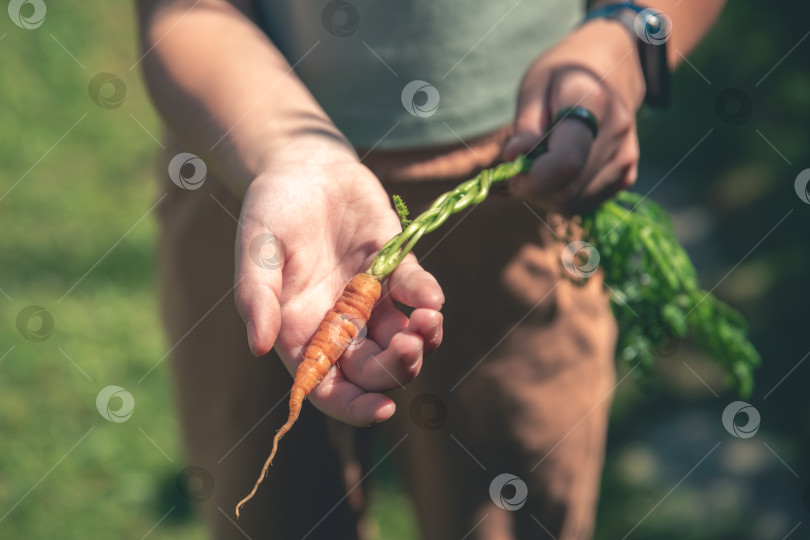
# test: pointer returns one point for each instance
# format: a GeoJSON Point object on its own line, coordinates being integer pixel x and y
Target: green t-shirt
{"type": "Point", "coordinates": [412, 73]}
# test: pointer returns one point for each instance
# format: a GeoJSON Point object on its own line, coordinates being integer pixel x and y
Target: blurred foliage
{"type": "Point", "coordinates": [65, 472]}
{"type": "Point", "coordinates": [655, 295]}
{"type": "Point", "coordinates": [75, 179]}
{"type": "Point", "coordinates": [734, 205]}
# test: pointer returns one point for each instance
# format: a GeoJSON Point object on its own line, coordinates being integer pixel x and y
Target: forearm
{"type": "Point", "coordinates": [691, 20]}
{"type": "Point", "coordinates": [226, 92]}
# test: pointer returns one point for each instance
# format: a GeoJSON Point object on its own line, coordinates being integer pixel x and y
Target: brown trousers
{"type": "Point", "coordinates": [522, 383]}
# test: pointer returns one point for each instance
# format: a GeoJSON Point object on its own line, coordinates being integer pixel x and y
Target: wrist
{"type": "Point", "coordinates": [312, 147]}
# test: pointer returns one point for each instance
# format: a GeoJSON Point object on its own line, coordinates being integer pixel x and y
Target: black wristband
{"type": "Point", "coordinates": [652, 29]}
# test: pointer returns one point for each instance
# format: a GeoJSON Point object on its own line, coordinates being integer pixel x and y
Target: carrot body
{"type": "Point", "coordinates": [333, 337]}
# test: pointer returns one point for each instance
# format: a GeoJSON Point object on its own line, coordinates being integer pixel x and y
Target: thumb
{"type": "Point", "coordinates": [259, 261]}
{"type": "Point", "coordinates": [530, 117]}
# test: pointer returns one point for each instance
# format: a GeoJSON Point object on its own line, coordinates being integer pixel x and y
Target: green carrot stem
{"type": "Point", "coordinates": [469, 193]}
{"type": "Point", "coordinates": [653, 285]}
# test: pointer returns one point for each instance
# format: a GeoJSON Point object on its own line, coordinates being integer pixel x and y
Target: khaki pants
{"type": "Point", "coordinates": [522, 383]}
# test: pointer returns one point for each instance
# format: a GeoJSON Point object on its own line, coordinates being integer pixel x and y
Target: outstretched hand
{"type": "Point", "coordinates": [307, 226]}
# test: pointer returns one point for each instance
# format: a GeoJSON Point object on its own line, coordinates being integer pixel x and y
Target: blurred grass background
{"type": "Point", "coordinates": [77, 185]}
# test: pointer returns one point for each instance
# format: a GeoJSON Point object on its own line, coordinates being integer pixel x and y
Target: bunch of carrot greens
{"type": "Point", "coordinates": [653, 286]}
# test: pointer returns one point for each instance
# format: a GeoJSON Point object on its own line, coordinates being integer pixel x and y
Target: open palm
{"type": "Point", "coordinates": [306, 229]}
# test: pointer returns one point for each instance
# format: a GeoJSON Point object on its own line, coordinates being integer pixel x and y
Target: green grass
{"type": "Point", "coordinates": [66, 472]}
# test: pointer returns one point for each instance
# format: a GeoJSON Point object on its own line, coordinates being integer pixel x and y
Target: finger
{"type": "Point", "coordinates": [569, 140]}
{"type": "Point", "coordinates": [619, 174]}
{"type": "Point", "coordinates": [380, 361]}
{"type": "Point", "coordinates": [376, 370]}
{"type": "Point", "coordinates": [601, 166]}
{"type": "Point", "coordinates": [343, 400]}
{"type": "Point", "coordinates": [569, 144]}
{"type": "Point", "coordinates": [259, 262]}
{"type": "Point", "coordinates": [367, 409]}
{"type": "Point", "coordinates": [423, 321]}
{"type": "Point", "coordinates": [428, 324]}
{"type": "Point", "coordinates": [530, 118]}
{"type": "Point", "coordinates": [618, 145]}
{"type": "Point", "coordinates": [619, 180]}
{"type": "Point", "coordinates": [413, 286]}
{"type": "Point", "coordinates": [386, 320]}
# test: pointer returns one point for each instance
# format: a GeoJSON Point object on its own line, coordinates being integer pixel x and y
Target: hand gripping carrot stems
{"type": "Point", "coordinates": [653, 287]}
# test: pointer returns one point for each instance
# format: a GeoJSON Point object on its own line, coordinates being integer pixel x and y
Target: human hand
{"type": "Point", "coordinates": [310, 222]}
{"type": "Point", "coordinates": [596, 66]}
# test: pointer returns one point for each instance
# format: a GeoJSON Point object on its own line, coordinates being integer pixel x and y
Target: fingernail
{"type": "Point", "coordinates": [251, 335]}
{"type": "Point", "coordinates": [507, 148]}
{"type": "Point", "coordinates": [517, 138]}
{"type": "Point", "coordinates": [384, 413]}
{"type": "Point", "coordinates": [434, 337]}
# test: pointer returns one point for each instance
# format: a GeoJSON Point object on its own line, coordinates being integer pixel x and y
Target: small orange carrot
{"type": "Point", "coordinates": [335, 333]}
